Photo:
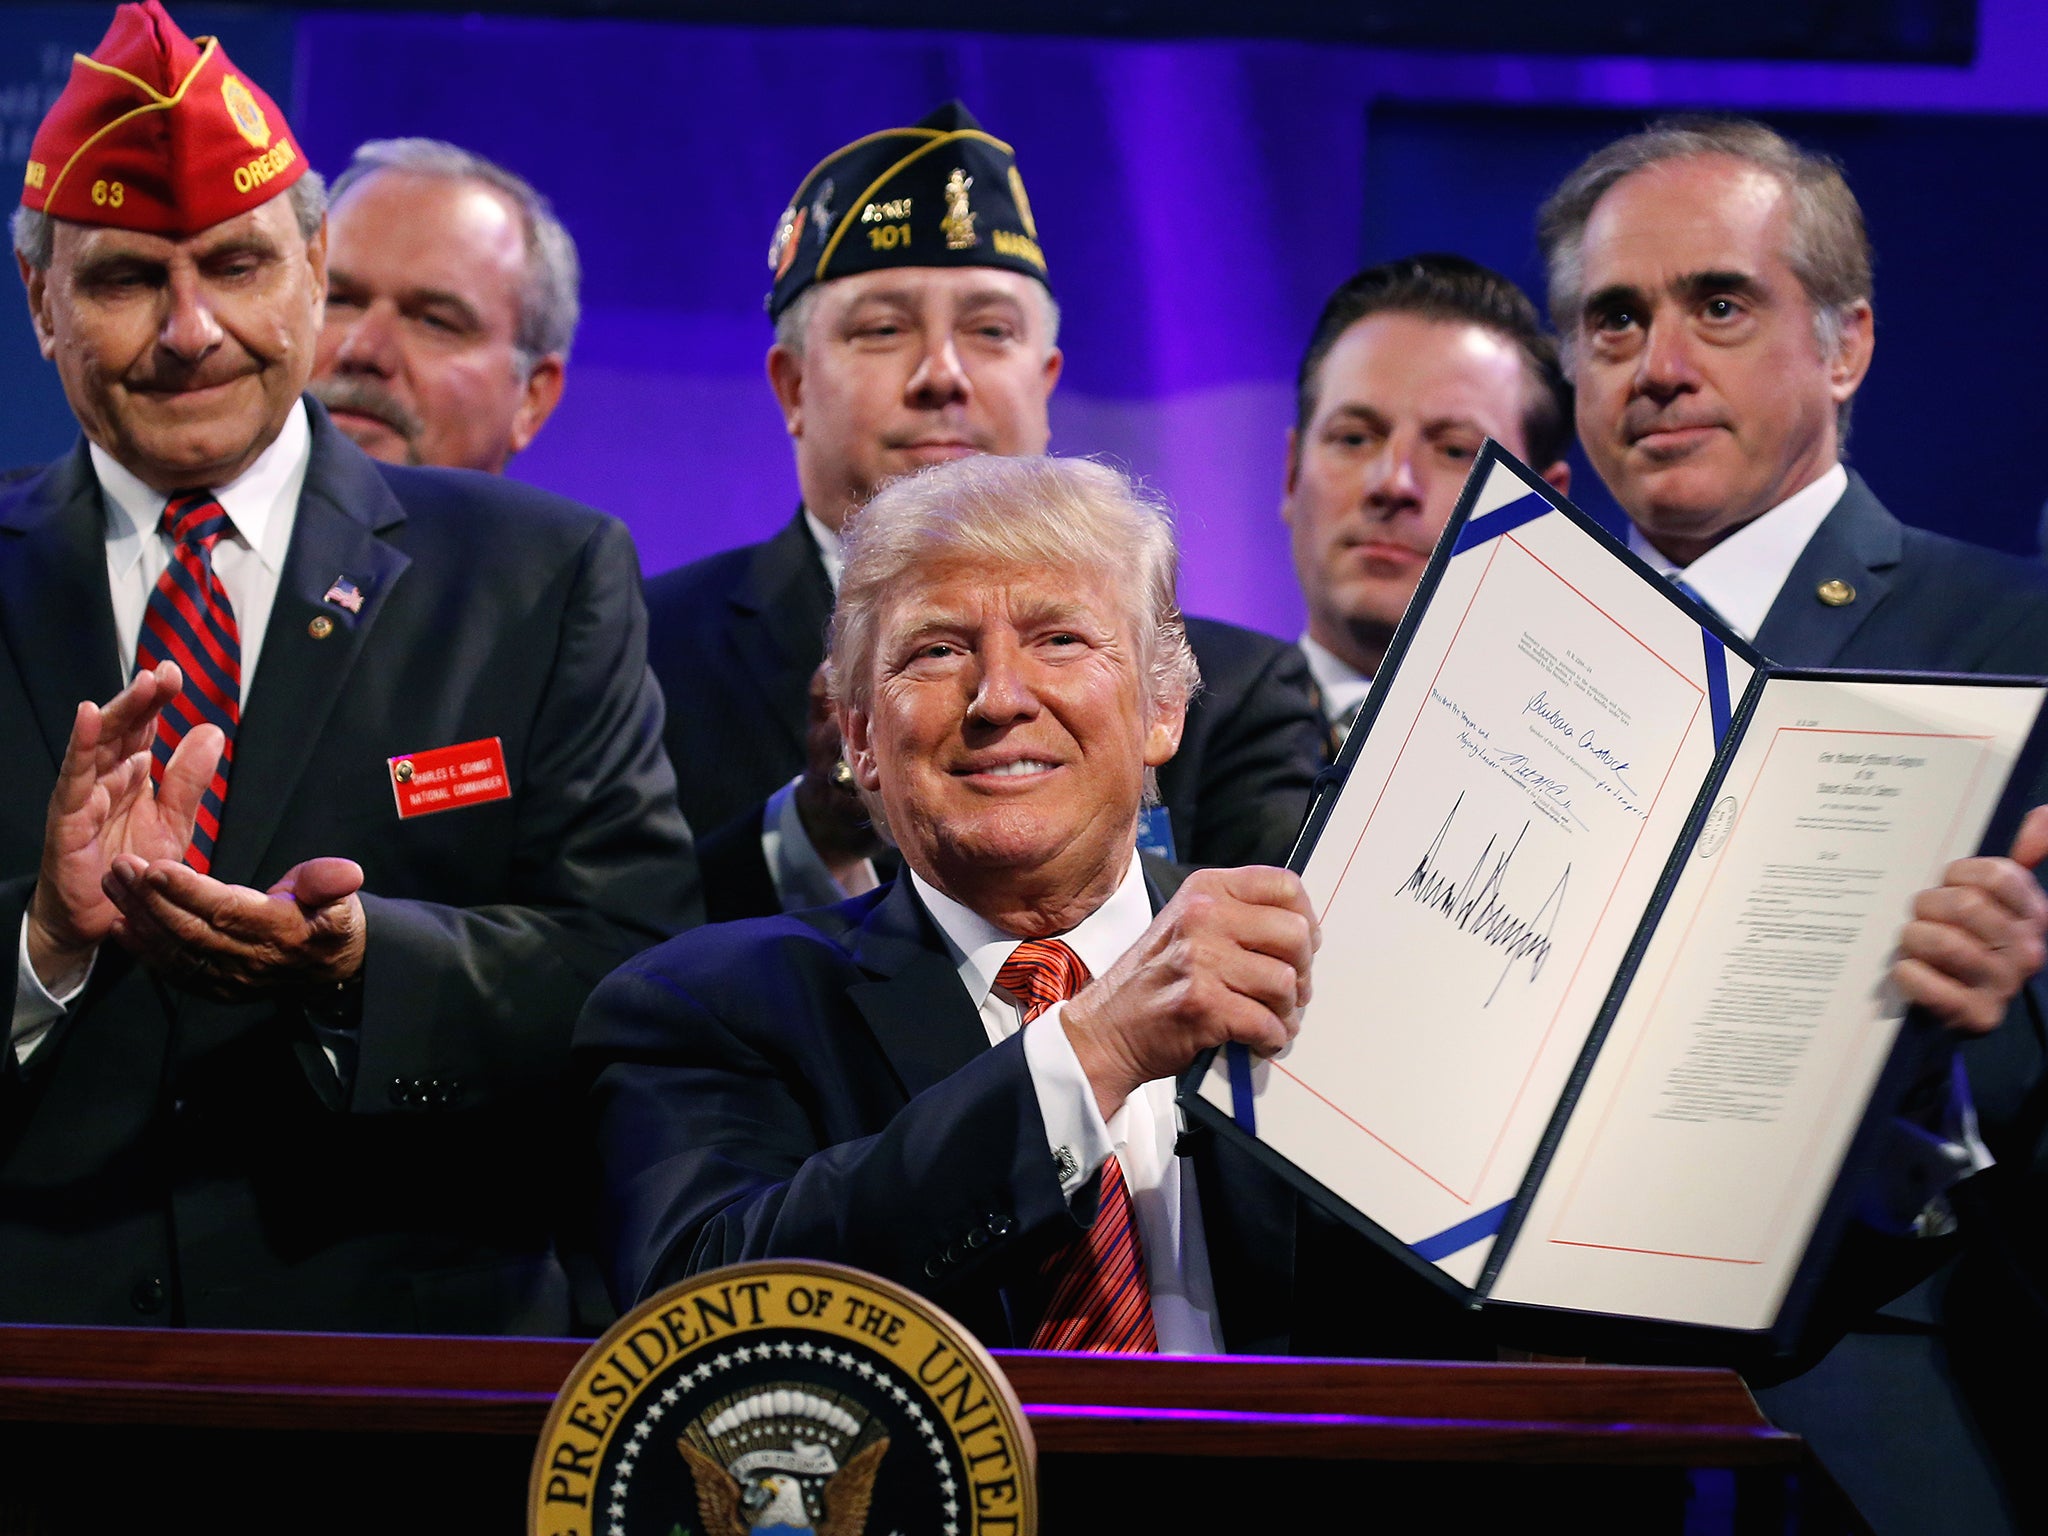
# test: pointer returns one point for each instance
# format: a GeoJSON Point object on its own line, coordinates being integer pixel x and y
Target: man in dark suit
{"type": "Point", "coordinates": [914, 328]}
{"type": "Point", "coordinates": [302, 916]}
{"type": "Point", "coordinates": [1711, 285]}
{"type": "Point", "coordinates": [1411, 366]}
{"type": "Point", "coordinates": [886, 1082]}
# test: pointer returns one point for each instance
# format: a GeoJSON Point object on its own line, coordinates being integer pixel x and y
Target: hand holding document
{"type": "Point", "coordinates": [1609, 908]}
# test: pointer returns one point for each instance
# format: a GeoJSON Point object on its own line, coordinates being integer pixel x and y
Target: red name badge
{"type": "Point", "coordinates": [449, 778]}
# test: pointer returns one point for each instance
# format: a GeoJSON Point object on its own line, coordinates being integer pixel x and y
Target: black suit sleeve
{"type": "Point", "coordinates": [484, 996]}
{"type": "Point", "coordinates": [1239, 788]}
{"type": "Point", "coordinates": [728, 1128]}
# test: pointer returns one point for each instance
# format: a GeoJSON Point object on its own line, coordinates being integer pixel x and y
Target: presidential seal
{"type": "Point", "coordinates": [785, 1399]}
{"type": "Point", "coordinates": [1715, 829]}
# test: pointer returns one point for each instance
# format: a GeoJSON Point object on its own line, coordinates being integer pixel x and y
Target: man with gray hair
{"type": "Point", "coordinates": [330, 787]}
{"type": "Point", "coordinates": [451, 307]}
{"type": "Point", "coordinates": [1711, 286]}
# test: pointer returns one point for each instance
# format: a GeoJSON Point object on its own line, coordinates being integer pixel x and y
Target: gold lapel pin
{"type": "Point", "coordinates": [320, 627]}
{"type": "Point", "coordinates": [1836, 594]}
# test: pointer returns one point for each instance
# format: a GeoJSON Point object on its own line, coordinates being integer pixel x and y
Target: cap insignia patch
{"type": "Point", "coordinates": [248, 116]}
{"type": "Point", "coordinates": [783, 252]}
{"type": "Point", "coordinates": [958, 224]}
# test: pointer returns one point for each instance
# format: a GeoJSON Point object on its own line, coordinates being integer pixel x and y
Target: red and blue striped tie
{"type": "Point", "coordinates": [1101, 1303]}
{"type": "Point", "coordinates": [190, 621]}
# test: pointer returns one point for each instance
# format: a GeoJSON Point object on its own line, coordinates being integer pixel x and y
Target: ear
{"type": "Point", "coordinates": [37, 281]}
{"type": "Point", "coordinates": [537, 401]}
{"type": "Point", "coordinates": [786, 378]}
{"type": "Point", "coordinates": [1852, 359]}
{"type": "Point", "coordinates": [1055, 360]}
{"type": "Point", "coordinates": [1293, 475]}
{"type": "Point", "coordinates": [859, 743]}
{"type": "Point", "coordinates": [1162, 737]}
{"type": "Point", "coordinates": [1559, 478]}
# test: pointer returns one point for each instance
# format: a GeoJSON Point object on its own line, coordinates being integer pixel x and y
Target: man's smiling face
{"type": "Point", "coordinates": [1008, 728]}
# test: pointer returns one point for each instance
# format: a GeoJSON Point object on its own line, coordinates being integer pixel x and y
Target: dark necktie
{"type": "Point", "coordinates": [190, 621]}
{"type": "Point", "coordinates": [1100, 1301]}
{"type": "Point", "coordinates": [1341, 726]}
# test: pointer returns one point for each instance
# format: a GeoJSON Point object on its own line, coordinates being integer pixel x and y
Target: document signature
{"type": "Point", "coordinates": [1596, 756]}
{"type": "Point", "coordinates": [1476, 904]}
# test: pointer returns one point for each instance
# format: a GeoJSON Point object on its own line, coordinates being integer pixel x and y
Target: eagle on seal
{"type": "Point", "coordinates": [772, 1503]}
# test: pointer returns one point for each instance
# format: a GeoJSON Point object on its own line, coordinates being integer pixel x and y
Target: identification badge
{"type": "Point", "coordinates": [448, 778]}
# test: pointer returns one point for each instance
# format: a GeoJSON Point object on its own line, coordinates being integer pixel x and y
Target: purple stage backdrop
{"type": "Point", "coordinates": [1197, 201]}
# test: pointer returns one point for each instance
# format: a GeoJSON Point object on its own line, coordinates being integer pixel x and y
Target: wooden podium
{"type": "Point", "coordinates": [135, 1429]}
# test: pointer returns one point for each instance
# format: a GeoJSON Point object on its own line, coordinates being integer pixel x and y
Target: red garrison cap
{"type": "Point", "coordinates": [159, 132]}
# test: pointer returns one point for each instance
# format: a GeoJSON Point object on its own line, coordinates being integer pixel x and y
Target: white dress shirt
{"type": "Point", "coordinates": [262, 504]}
{"type": "Point", "coordinates": [1741, 576]}
{"type": "Point", "coordinates": [1141, 1133]}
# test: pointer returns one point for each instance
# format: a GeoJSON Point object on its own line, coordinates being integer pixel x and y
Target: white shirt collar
{"type": "Point", "coordinates": [979, 948]}
{"type": "Point", "coordinates": [828, 547]}
{"type": "Point", "coordinates": [1342, 684]}
{"type": "Point", "coordinates": [1741, 576]}
{"type": "Point", "coordinates": [254, 500]}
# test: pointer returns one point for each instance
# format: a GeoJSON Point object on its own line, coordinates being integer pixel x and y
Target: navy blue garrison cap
{"type": "Point", "coordinates": [940, 193]}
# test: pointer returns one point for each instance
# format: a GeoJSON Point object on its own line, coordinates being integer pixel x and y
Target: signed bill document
{"type": "Point", "coordinates": [1600, 1019]}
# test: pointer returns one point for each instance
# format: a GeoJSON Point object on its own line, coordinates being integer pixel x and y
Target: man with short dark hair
{"type": "Point", "coordinates": [913, 327]}
{"type": "Point", "coordinates": [1711, 285]}
{"type": "Point", "coordinates": [451, 307]}
{"type": "Point", "coordinates": [1411, 366]}
{"type": "Point", "coordinates": [302, 916]}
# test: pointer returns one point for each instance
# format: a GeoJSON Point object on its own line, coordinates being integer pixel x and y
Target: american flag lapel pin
{"type": "Point", "coordinates": [344, 594]}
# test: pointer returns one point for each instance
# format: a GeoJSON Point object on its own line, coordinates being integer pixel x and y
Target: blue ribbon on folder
{"type": "Point", "coordinates": [1717, 684]}
{"type": "Point", "coordinates": [1472, 1229]}
{"type": "Point", "coordinates": [1237, 1059]}
{"type": "Point", "coordinates": [1502, 520]}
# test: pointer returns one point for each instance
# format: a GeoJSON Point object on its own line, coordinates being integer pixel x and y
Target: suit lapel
{"type": "Point", "coordinates": [779, 617]}
{"type": "Point", "coordinates": [917, 1009]}
{"type": "Point", "coordinates": [53, 582]}
{"type": "Point", "coordinates": [342, 511]}
{"type": "Point", "coordinates": [1857, 545]}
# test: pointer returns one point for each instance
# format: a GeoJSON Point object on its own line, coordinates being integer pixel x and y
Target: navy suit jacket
{"type": "Point", "coordinates": [165, 1159]}
{"type": "Point", "coordinates": [734, 638]}
{"type": "Point", "coordinates": [820, 1086]}
{"type": "Point", "coordinates": [1923, 602]}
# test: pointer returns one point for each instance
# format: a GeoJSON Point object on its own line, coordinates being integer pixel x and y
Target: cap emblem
{"type": "Point", "coordinates": [958, 224]}
{"type": "Point", "coordinates": [247, 115]}
{"type": "Point", "coordinates": [782, 252]}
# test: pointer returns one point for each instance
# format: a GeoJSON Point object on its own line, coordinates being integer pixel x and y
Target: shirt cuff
{"type": "Point", "coordinates": [36, 1008]}
{"type": "Point", "coordinates": [1075, 1131]}
{"type": "Point", "coordinates": [799, 875]}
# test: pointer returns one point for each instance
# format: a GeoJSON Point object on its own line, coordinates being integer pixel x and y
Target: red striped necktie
{"type": "Point", "coordinates": [1100, 1301]}
{"type": "Point", "coordinates": [190, 621]}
